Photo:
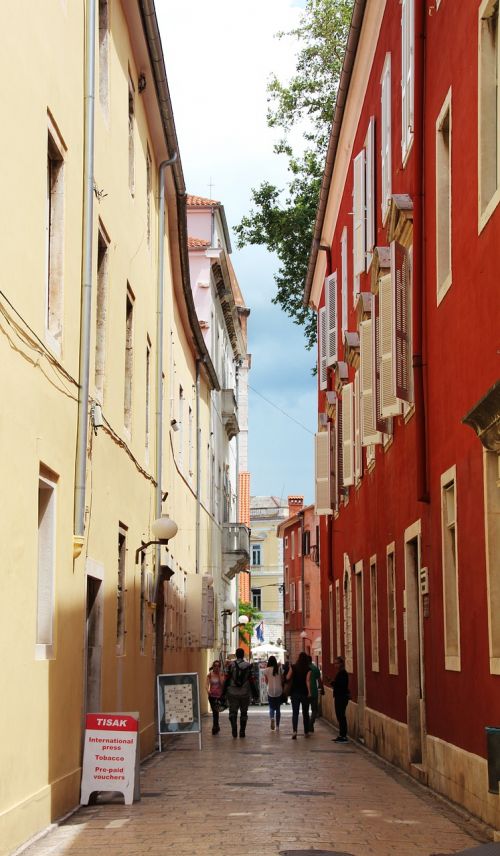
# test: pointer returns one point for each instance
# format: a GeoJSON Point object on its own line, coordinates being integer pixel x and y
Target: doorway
{"type": "Point", "coordinates": [360, 648]}
{"type": "Point", "coordinates": [94, 631]}
{"type": "Point", "coordinates": [414, 648]}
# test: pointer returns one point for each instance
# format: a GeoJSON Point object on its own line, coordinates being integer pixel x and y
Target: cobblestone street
{"type": "Point", "coordinates": [263, 796]}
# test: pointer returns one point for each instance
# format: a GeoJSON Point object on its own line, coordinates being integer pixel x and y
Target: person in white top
{"type": "Point", "coordinates": [273, 679]}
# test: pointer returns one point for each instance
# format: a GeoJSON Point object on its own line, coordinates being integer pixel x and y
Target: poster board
{"type": "Point", "coordinates": [111, 756]}
{"type": "Point", "coordinates": [178, 705]}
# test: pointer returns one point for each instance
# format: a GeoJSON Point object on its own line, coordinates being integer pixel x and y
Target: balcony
{"type": "Point", "coordinates": [235, 548]}
{"type": "Point", "coordinates": [229, 413]}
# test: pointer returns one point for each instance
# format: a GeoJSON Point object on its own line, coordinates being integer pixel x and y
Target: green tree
{"type": "Point", "coordinates": [254, 616]}
{"type": "Point", "coordinates": [283, 219]}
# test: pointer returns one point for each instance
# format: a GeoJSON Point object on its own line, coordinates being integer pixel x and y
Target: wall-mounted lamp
{"type": "Point", "coordinates": [141, 83]}
{"type": "Point", "coordinates": [96, 416]}
{"type": "Point", "coordinates": [174, 424]}
{"type": "Point", "coordinates": [163, 530]}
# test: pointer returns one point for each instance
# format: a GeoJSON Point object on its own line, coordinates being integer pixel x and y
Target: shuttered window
{"type": "Point", "coordinates": [402, 300]}
{"type": "Point", "coordinates": [358, 451]}
{"type": "Point", "coordinates": [394, 339]}
{"type": "Point", "coordinates": [385, 152]}
{"type": "Point", "coordinates": [407, 74]}
{"type": "Point", "coordinates": [322, 503]}
{"type": "Point", "coordinates": [369, 433]}
{"type": "Point", "coordinates": [383, 425]}
{"type": "Point", "coordinates": [322, 347]}
{"type": "Point", "coordinates": [370, 191]}
{"type": "Point", "coordinates": [334, 482]}
{"type": "Point", "coordinates": [359, 234]}
{"type": "Point", "coordinates": [489, 109]}
{"type": "Point", "coordinates": [348, 434]}
{"type": "Point", "coordinates": [390, 406]}
{"type": "Point", "coordinates": [343, 256]}
{"type": "Point", "coordinates": [331, 319]}
{"type": "Point", "coordinates": [340, 448]}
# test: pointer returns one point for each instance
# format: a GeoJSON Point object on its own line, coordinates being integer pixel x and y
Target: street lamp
{"type": "Point", "coordinates": [163, 530]}
{"type": "Point", "coordinates": [228, 607]}
{"type": "Point", "coordinates": [304, 636]}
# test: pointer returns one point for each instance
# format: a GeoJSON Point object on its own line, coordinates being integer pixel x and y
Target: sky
{"type": "Point", "coordinates": [219, 55]}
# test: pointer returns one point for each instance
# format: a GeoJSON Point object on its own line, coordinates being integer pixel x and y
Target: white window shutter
{"type": "Point", "coordinates": [389, 404]}
{"type": "Point", "coordinates": [334, 487]}
{"type": "Point", "coordinates": [331, 319]}
{"type": "Point", "coordinates": [347, 435]}
{"type": "Point", "coordinates": [340, 447]}
{"type": "Point", "coordinates": [358, 452]}
{"type": "Point", "coordinates": [322, 341]}
{"type": "Point", "coordinates": [343, 257]}
{"type": "Point", "coordinates": [407, 73]}
{"type": "Point", "coordinates": [322, 503]}
{"type": "Point", "coordinates": [370, 191]}
{"type": "Point", "coordinates": [358, 243]}
{"type": "Point", "coordinates": [369, 433]}
{"type": "Point", "coordinates": [386, 136]}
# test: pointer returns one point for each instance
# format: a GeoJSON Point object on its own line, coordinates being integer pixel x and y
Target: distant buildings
{"type": "Point", "coordinates": [403, 274]}
{"type": "Point", "coordinates": [266, 563]}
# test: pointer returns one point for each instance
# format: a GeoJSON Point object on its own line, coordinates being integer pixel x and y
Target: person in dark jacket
{"type": "Point", "coordinates": [300, 676]}
{"type": "Point", "coordinates": [340, 685]}
{"type": "Point", "coordinates": [239, 687]}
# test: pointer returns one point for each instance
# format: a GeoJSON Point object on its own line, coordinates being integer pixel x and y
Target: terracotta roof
{"type": "Point", "coordinates": [200, 202]}
{"type": "Point", "coordinates": [197, 244]}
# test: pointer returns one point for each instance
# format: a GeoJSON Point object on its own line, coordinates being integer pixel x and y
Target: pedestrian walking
{"type": "Point", "coordinates": [317, 688]}
{"type": "Point", "coordinates": [273, 679]}
{"type": "Point", "coordinates": [215, 688]}
{"type": "Point", "coordinates": [240, 686]}
{"type": "Point", "coordinates": [300, 691]}
{"type": "Point", "coordinates": [341, 694]}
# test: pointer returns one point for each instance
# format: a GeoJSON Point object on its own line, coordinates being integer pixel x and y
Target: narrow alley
{"type": "Point", "coordinates": [264, 796]}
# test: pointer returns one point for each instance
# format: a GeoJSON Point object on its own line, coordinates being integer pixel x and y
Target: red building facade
{"type": "Point", "coordinates": [403, 274]}
{"type": "Point", "coordinates": [301, 573]}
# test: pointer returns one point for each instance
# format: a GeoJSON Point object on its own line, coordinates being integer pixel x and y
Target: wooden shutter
{"type": "Point", "coordinates": [331, 319]}
{"type": "Point", "coordinates": [347, 435]}
{"type": "Point", "coordinates": [370, 191]}
{"type": "Point", "coordinates": [343, 257]}
{"type": "Point", "coordinates": [383, 425]}
{"type": "Point", "coordinates": [358, 243]}
{"type": "Point", "coordinates": [407, 74]}
{"type": "Point", "coordinates": [322, 347]}
{"type": "Point", "coordinates": [386, 136]}
{"type": "Point", "coordinates": [390, 406]}
{"type": "Point", "coordinates": [322, 503]}
{"type": "Point", "coordinates": [340, 448]}
{"type": "Point", "coordinates": [402, 280]}
{"type": "Point", "coordinates": [369, 433]}
{"type": "Point", "coordinates": [334, 488]}
{"type": "Point", "coordinates": [358, 451]}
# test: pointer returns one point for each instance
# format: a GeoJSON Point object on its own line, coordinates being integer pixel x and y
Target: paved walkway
{"type": "Point", "coordinates": [263, 796]}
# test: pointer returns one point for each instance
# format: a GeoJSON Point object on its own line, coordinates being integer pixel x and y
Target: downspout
{"type": "Point", "coordinates": [302, 563]}
{"type": "Point", "coordinates": [198, 468]}
{"type": "Point", "coordinates": [86, 282]}
{"type": "Point", "coordinates": [419, 305]}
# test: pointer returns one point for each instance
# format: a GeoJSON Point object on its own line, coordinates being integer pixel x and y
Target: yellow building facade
{"type": "Point", "coordinates": [87, 617]}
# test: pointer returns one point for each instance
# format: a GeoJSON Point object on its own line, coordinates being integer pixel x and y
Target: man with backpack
{"type": "Point", "coordinates": [240, 686]}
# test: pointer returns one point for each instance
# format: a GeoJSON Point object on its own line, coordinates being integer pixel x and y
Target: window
{"type": "Point", "coordinates": [450, 570]}
{"type": "Point", "coordinates": [129, 359]}
{"type": "Point", "coordinates": [331, 321]}
{"type": "Point", "coordinates": [131, 129]}
{"type": "Point", "coordinates": [292, 597]}
{"type": "Point", "coordinates": [299, 596]}
{"type": "Point", "coordinates": [286, 542]}
{"type": "Point", "coordinates": [257, 598]}
{"type": "Point", "coordinates": [104, 56]}
{"type": "Point", "coordinates": [307, 600]}
{"type": "Point", "coordinates": [330, 619]}
{"type": "Point", "coordinates": [359, 221]}
{"type": "Point", "coordinates": [101, 310]}
{"type": "Point", "coordinates": [343, 258]}
{"type": "Point", "coordinates": [142, 615]}
{"type": "Point", "coordinates": [358, 449]}
{"type": "Point", "coordinates": [492, 526]}
{"type": "Point", "coordinates": [149, 186]}
{"type": "Point", "coordinates": [44, 648]}
{"type": "Point", "coordinates": [407, 74]}
{"type": "Point", "coordinates": [391, 610]}
{"type": "Point", "coordinates": [347, 435]}
{"type": "Point", "coordinates": [307, 542]}
{"type": "Point", "coordinates": [374, 612]}
{"type": "Point", "coordinates": [443, 199]}
{"type": "Point", "coordinates": [190, 442]}
{"type": "Point", "coordinates": [287, 580]}
{"type": "Point", "coordinates": [385, 153]}
{"type": "Point", "coordinates": [369, 433]}
{"type": "Point", "coordinates": [395, 333]}
{"type": "Point", "coordinates": [54, 239]}
{"type": "Point", "coordinates": [371, 230]}
{"type": "Point", "coordinates": [180, 438]}
{"type": "Point", "coordinates": [256, 554]}
{"type": "Point", "coordinates": [293, 544]}
{"type": "Point", "coordinates": [489, 110]}
{"type": "Point", "coordinates": [322, 467]}
{"type": "Point", "coordinates": [121, 592]}
{"type": "Point", "coordinates": [322, 348]}
{"type": "Point", "coordinates": [148, 398]}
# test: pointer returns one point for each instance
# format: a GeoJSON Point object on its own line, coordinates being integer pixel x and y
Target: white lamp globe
{"type": "Point", "coordinates": [243, 619]}
{"type": "Point", "coordinates": [163, 528]}
{"type": "Point", "coordinates": [228, 606]}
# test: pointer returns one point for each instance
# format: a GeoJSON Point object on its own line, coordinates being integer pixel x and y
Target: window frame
{"type": "Point", "coordinates": [443, 190]}
{"type": "Point", "coordinates": [487, 207]}
{"type": "Point", "coordinates": [450, 570]}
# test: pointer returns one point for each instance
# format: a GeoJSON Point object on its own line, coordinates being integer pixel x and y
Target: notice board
{"type": "Point", "coordinates": [179, 704]}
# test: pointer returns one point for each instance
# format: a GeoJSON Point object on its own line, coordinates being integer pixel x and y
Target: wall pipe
{"type": "Point", "coordinates": [86, 281]}
{"type": "Point", "coordinates": [198, 468]}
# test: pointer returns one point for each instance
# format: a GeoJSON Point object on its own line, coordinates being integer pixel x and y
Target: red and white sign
{"type": "Point", "coordinates": [110, 755]}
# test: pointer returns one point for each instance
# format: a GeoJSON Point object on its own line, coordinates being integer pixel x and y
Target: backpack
{"type": "Point", "coordinates": [240, 676]}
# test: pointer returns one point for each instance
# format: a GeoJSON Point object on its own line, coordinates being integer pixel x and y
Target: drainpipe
{"type": "Point", "coordinates": [198, 467]}
{"type": "Point", "coordinates": [419, 361]}
{"type": "Point", "coordinates": [86, 281]}
{"type": "Point", "coordinates": [302, 563]}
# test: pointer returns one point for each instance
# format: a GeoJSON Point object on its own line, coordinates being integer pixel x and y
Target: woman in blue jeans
{"type": "Point", "coordinates": [272, 677]}
{"type": "Point", "coordinates": [300, 692]}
